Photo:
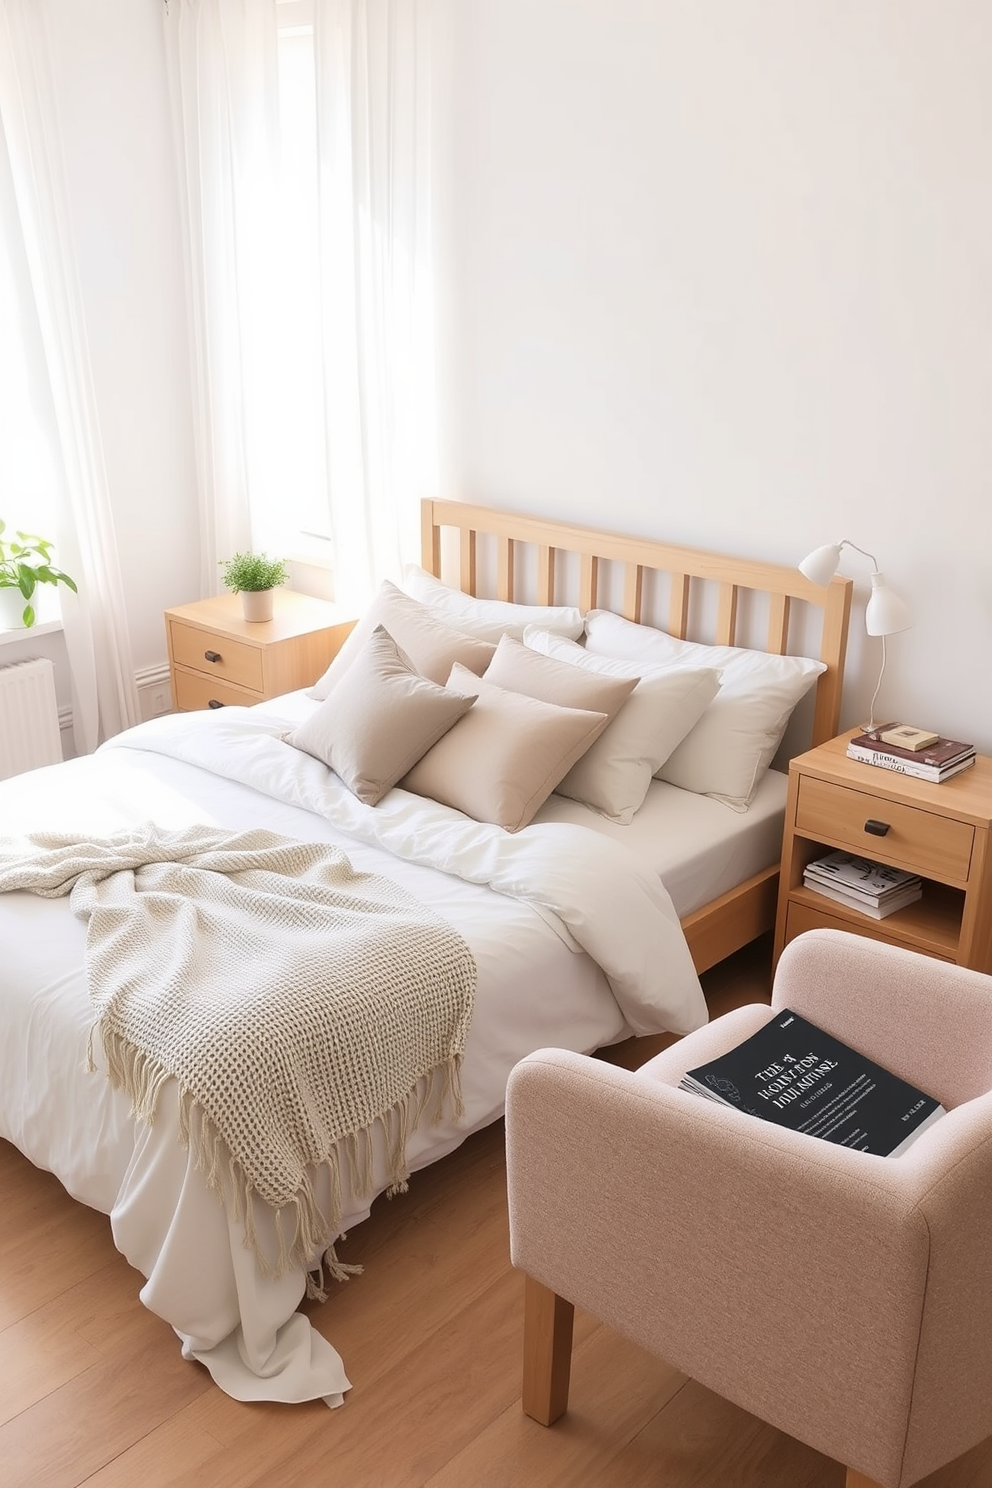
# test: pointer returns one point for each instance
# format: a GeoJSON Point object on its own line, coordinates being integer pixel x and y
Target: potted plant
{"type": "Point", "coordinates": [24, 564]}
{"type": "Point", "coordinates": [254, 576]}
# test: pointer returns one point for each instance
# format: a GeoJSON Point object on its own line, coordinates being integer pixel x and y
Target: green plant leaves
{"type": "Point", "coordinates": [26, 563]}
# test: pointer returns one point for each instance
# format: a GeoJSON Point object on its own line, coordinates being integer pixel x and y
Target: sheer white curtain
{"type": "Point", "coordinates": [309, 273]}
{"type": "Point", "coordinates": [105, 698]}
{"type": "Point", "coordinates": [374, 117]}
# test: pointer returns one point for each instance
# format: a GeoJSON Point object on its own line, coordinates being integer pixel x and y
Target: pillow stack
{"type": "Point", "coordinates": [726, 753]}
{"type": "Point", "coordinates": [488, 706]}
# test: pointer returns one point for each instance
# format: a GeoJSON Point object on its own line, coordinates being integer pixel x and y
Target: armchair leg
{"type": "Point", "coordinates": [858, 1480]}
{"type": "Point", "coordinates": [547, 1352]}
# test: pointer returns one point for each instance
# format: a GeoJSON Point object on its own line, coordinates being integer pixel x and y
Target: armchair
{"type": "Point", "coordinates": [844, 1298]}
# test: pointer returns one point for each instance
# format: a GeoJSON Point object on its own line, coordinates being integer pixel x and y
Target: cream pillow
{"type": "Point", "coordinates": [505, 757]}
{"type": "Point", "coordinates": [381, 718]}
{"type": "Point", "coordinates": [487, 618]}
{"type": "Point", "coordinates": [614, 775]}
{"type": "Point", "coordinates": [730, 748]}
{"type": "Point", "coordinates": [430, 646]}
{"type": "Point", "coordinates": [519, 668]}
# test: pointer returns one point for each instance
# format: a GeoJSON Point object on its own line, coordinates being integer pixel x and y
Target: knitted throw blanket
{"type": "Point", "coordinates": [299, 1004]}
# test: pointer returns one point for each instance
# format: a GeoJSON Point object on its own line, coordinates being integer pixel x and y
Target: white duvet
{"type": "Point", "coordinates": [575, 940]}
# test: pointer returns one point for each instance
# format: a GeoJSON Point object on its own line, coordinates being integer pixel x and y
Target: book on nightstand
{"type": "Point", "coordinates": [798, 1076]}
{"type": "Point", "coordinates": [936, 762]}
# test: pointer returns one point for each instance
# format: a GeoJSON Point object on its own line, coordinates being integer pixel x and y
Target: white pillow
{"type": "Point", "coordinates": [613, 776]}
{"type": "Point", "coordinates": [487, 618]}
{"type": "Point", "coordinates": [730, 748]}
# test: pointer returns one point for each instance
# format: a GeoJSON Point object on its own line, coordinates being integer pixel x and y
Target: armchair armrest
{"type": "Point", "coordinates": [924, 1019]}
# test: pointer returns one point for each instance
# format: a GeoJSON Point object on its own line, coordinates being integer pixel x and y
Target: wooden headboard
{"type": "Point", "coordinates": [684, 568]}
{"type": "Point", "coordinates": [452, 530]}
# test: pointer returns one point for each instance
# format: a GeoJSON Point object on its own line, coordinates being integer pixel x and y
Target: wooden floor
{"type": "Point", "coordinates": [93, 1389]}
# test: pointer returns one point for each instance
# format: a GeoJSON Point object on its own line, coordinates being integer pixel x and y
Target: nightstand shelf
{"type": "Point", "coordinates": [217, 658]}
{"type": "Point", "coordinates": [941, 832]}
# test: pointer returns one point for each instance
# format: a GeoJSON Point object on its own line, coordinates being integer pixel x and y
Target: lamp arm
{"type": "Point", "coordinates": [846, 542]}
{"type": "Point", "coordinates": [871, 725]}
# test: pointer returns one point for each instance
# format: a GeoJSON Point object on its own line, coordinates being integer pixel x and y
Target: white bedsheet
{"type": "Point", "coordinates": [699, 847]}
{"type": "Point", "coordinates": [535, 988]}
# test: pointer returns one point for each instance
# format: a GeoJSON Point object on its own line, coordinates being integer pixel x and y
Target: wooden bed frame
{"type": "Point", "coordinates": [735, 918]}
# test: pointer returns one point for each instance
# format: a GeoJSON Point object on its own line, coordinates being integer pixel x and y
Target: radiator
{"type": "Point", "coordinates": [29, 717]}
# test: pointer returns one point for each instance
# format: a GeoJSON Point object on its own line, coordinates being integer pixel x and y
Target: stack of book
{"type": "Point", "coordinates": [861, 884]}
{"type": "Point", "coordinates": [936, 760]}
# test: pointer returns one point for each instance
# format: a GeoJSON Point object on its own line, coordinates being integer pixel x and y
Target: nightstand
{"type": "Point", "coordinates": [941, 832]}
{"type": "Point", "coordinates": [217, 657]}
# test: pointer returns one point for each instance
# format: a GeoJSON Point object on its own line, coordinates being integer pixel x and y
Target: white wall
{"type": "Point", "coordinates": [716, 270]}
{"type": "Point", "coordinates": [719, 272]}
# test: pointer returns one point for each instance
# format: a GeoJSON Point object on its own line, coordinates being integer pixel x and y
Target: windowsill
{"type": "Point", "coordinates": [27, 633]}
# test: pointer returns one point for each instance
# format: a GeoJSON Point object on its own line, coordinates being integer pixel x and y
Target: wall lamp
{"type": "Point", "coordinates": [885, 614]}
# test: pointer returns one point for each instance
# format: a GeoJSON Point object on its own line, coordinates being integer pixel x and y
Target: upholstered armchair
{"type": "Point", "coordinates": [844, 1298]}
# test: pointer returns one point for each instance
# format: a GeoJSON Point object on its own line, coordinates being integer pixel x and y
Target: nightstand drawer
{"type": "Point", "coordinates": [238, 663]}
{"type": "Point", "coordinates": [194, 692]}
{"type": "Point", "coordinates": [919, 840]}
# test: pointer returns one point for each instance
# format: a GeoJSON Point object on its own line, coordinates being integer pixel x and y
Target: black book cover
{"type": "Point", "coordinates": [793, 1073]}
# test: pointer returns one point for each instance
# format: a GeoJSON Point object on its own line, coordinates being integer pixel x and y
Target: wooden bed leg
{"type": "Point", "coordinates": [547, 1352]}
{"type": "Point", "coordinates": [858, 1480]}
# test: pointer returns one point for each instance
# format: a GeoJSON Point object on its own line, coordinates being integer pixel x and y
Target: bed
{"type": "Point", "coordinates": [582, 929]}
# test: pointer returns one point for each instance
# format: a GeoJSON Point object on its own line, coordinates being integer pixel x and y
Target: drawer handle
{"type": "Point", "coordinates": [876, 828]}
{"type": "Point", "coordinates": [212, 656]}
{"type": "Point", "coordinates": [213, 703]}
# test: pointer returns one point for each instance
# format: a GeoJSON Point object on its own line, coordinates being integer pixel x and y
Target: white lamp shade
{"type": "Point", "coordinates": [821, 565]}
{"type": "Point", "coordinates": [886, 613]}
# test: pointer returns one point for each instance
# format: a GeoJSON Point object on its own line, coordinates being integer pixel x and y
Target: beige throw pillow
{"type": "Point", "coordinates": [431, 646]}
{"type": "Point", "coordinates": [381, 717]}
{"type": "Point", "coordinates": [519, 669]}
{"type": "Point", "coordinates": [614, 776]}
{"type": "Point", "coordinates": [504, 758]}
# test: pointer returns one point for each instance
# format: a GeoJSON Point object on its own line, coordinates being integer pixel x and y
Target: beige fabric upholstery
{"type": "Point", "coordinates": [844, 1298]}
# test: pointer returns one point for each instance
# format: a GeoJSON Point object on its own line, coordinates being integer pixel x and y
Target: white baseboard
{"type": "Point", "coordinates": [154, 698]}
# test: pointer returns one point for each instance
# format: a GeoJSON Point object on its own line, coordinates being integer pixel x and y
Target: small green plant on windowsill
{"type": "Point", "coordinates": [253, 572]}
{"type": "Point", "coordinates": [25, 562]}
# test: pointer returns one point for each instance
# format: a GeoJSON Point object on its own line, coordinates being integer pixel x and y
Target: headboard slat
{"type": "Point", "coordinates": [467, 578]}
{"type": "Point", "coordinates": [633, 590]}
{"type": "Point", "coordinates": [726, 619]}
{"type": "Point", "coordinates": [504, 569]}
{"type": "Point", "coordinates": [588, 581]}
{"type": "Point", "coordinates": [545, 574]}
{"type": "Point", "coordinates": [678, 606]}
{"type": "Point", "coordinates": [779, 609]}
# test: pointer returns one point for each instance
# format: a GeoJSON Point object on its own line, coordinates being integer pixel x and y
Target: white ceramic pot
{"type": "Point", "coordinates": [12, 604]}
{"type": "Point", "coordinates": [256, 604]}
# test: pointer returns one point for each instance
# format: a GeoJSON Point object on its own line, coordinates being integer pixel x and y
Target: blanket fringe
{"type": "Point", "coordinates": [301, 1227]}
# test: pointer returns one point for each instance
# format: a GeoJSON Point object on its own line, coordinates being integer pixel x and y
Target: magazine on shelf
{"type": "Point", "coordinates": [861, 875]}
{"type": "Point", "coordinates": [877, 910]}
{"type": "Point", "coordinates": [794, 1074]}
